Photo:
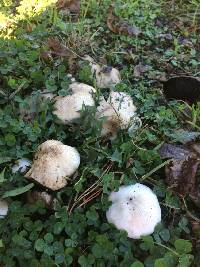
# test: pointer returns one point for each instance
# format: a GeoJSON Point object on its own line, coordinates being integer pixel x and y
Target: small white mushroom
{"type": "Point", "coordinates": [135, 209]}
{"type": "Point", "coordinates": [21, 165]}
{"type": "Point", "coordinates": [68, 108]}
{"type": "Point", "coordinates": [54, 162]}
{"type": "Point", "coordinates": [119, 111]}
{"type": "Point", "coordinates": [106, 76]}
{"type": "Point", "coordinates": [3, 208]}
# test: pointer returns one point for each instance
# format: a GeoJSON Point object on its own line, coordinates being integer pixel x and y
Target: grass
{"type": "Point", "coordinates": [77, 233]}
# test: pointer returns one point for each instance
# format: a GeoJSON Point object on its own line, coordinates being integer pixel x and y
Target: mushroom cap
{"type": "Point", "coordinates": [81, 88]}
{"type": "Point", "coordinates": [119, 110]}
{"type": "Point", "coordinates": [105, 78]}
{"type": "Point", "coordinates": [3, 208]}
{"type": "Point", "coordinates": [21, 165]}
{"type": "Point", "coordinates": [53, 163]}
{"type": "Point", "coordinates": [135, 209]}
{"type": "Point", "coordinates": [108, 79]}
{"type": "Point", "coordinates": [68, 108]}
{"type": "Point", "coordinates": [123, 105]}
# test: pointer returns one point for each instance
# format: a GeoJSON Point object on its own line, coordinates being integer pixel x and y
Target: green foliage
{"type": "Point", "coordinates": [77, 233]}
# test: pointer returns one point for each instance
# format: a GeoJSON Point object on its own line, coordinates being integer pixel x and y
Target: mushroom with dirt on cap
{"type": "Point", "coordinates": [135, 209]}
{"type": "Point", "coordinates": [53, 164]}
{"type": "Point", "coordinates": [68, 108]}
{"type": "Point", "coordinates": [119, 111]}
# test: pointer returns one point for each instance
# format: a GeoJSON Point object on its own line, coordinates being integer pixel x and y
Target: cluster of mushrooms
{"type": "Point", "coordinates": [135, 208]}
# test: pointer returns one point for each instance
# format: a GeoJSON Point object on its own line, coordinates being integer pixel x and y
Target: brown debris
{"type": "Point", "coordinates": [181, 171]}
{"type": "Point", "coordinates": [60, 50]}
{"type": "Point", "coordinates": [116, 25]}
{"type": "Point", "coordinates": [71, 7]}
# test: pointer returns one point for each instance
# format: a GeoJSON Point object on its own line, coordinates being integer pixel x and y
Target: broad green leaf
{"type": "Point", "coordinates": [185, 260]}
{"type": "Point", "coordinates": [18, 191]}
{"type": "Point", "coordinates": [160, 263]}
{"type": "Point", "coordinates": [183, 246]}
{"type": "Point", "coordinates": [137, 264]}
{"type": "Point", "coordinates": [1, 243]}
{"type": "Point", "coordinates": [40, 245]}
{"type": "Point", "coordinates": [165, 235]}
{"type": "Point", "coordinates": [116, 156]}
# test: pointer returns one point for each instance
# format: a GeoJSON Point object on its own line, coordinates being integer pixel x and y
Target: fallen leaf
{"type": "Point", "coordinates": [116, 25]}
{"type": "Point", "coordinates": [175, 152]}
{"type": "Point", "coordinates": [181, 171]}
{"type": "Point", "coordinates": [140, 69]}
{"type": "Point", "coordinates": [58, 49]}
{"type": "Point", "coordinates": [69, 7]}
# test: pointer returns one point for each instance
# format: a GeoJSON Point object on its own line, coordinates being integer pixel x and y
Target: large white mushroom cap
{"type": "Point", "coordinates": [119, 111]}
{"type": "Point", "coordinates": [68, 108]}
{"type": "Point", "coordinates": [54, 162]}
{"type": "Point", "coordinates": [135, 209]}
{"type": "Point", "coordinates": [3, 208]}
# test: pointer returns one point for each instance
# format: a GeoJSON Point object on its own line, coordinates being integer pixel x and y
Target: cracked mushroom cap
{"type": "Point", "coordinates": [68, 108]}
{"type": "Point", "coordinates": [81, 88]}
{"type": "Point", "coordinates": [54, 162]}
{"type": "Point", "coordinates": [119, 110]}
{"type": "Point", "coordinates": [135, 209]}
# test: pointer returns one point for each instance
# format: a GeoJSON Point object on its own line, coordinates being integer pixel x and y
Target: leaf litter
{"type": "Point", "coordinates": [181, 172]}
{"type": "Point", "coordinates": [117, 25]}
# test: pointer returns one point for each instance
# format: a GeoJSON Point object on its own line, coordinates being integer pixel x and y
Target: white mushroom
{"type": "Point", "coordinates": [68, 108]}
{"type": "Point", "coordinates": [106, 76]}
{"type": "Point", "coordinates": [21, 165]}
{"type": "Point", "coordinates": [119, 111]}
{"type": "Point", "coordinates": [81, 88]}
{"type": "Point", "coordinates": [135, 209]}
{"type": "Point", "coordinates": [54, 162]}
{"type": "Point", "coordinates": [3, 208]}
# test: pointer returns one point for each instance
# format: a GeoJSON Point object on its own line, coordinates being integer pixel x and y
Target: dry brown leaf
{"type": "Point", "coordinates": [116, 25]}
{"type": "Point", "coordinates": [181, 172]}
{"type": "Point", "coordinates": [140, 69]}
{"type": "Point", "coordinates": [58, 49]}
{"type": "Point", "coordinates": [69, 7]}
